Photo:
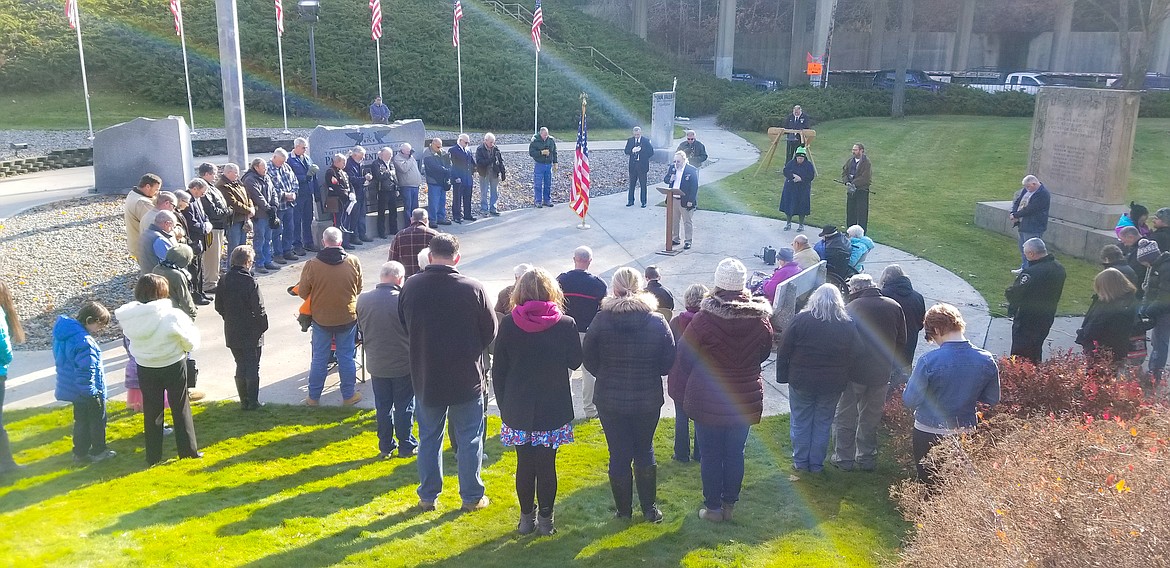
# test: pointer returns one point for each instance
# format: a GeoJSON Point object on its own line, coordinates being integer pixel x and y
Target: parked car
{"type": "Point", "coordinates": [915, 79]}
{"type": "Point", "coordinates": [1024, 82]}
{"type": "Point", "coordinates": [1153, 82]}
{"type": "Point", "coordinates": [759, 83]}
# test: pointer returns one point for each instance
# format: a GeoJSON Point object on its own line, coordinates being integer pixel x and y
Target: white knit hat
{"type": "Point", "coordinates": [730, 275]}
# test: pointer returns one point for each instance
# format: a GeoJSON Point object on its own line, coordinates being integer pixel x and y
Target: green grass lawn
{"type": "Point", "coordinates": [289, 486]}
{"type": "Point", "coordinates": [928, 174]}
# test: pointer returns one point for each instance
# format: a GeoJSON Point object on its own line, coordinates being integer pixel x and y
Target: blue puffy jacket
{"type": "Point", "coordinates": [80, 373]}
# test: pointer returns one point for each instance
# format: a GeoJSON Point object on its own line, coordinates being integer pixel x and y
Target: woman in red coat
{"type": "Point", "coordinates": [717, 375]}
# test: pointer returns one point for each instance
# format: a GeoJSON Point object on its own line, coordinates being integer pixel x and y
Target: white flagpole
{"type": "Point", "coordinates": [536, 98]}
{"type": "Point", "coordinates": [283, 100]}
{"type": "Point", "coordinates": [459, 67]}
{"type": "Point", "coordinates": [84, 80]}
{"type": "Point", "coordinates": [186, 74]}
{"type": "Point", "coordinates": [378, 43]}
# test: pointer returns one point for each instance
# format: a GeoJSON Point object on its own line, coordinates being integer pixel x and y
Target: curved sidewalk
{"type": "Point", "coordinates": [620, 236]}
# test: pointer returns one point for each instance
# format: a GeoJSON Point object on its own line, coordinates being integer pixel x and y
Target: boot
{"type": "Point", "coordinates": [622, 485]}
{"type": "Point", "coordinates": [544, 525]}
{"type": "Point", "coordinates": [242, 390]}
{"type": "Point", "coordinates": [647, 480]}
{"type": "Point", "coordinates": [7, 464]}
{"type": "Point", "coordinates": [527, 523]}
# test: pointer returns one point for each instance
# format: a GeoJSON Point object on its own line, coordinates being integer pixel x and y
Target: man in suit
{"type": "Point", "coordinates": [386, 186]}
{"type": "Point", "coordinates": [796, 120]}
{"type": "Point", "coordinates": [685, 178]}
{"type": "Point", "coordinates": [857, 174]}
{"type": "Point", "coordinates": [1030, 214]}
{"type": "Point", "coordinates": [462, 162]}
{"type": "Point", "coordinates": [641, 151]}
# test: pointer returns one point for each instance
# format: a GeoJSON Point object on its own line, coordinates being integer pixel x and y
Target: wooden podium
{"type": "Point", "coordinates": [670, 197]}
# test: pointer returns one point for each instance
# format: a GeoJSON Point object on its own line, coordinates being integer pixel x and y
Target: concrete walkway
{"type": "Point", "coordinates": [620, 236]}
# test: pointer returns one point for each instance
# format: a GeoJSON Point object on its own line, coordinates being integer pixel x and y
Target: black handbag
{"type": "Point", "coordinates": [192, 372]}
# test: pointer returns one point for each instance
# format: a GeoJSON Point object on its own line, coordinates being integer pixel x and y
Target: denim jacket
{"type": "Point", "coordinates": [947, 383]}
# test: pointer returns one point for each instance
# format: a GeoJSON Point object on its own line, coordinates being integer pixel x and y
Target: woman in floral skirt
{"type": "Point", "coordinates": [536, 348]}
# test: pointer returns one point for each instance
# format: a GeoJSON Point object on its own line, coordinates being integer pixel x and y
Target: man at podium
{"type": "Point", "coordinates": [684, 178]}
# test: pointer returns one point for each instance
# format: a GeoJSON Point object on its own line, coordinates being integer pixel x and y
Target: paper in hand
{"type": "Point", "coordinates": [349, 208]}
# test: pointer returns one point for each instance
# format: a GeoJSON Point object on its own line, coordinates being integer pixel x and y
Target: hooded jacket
{"type": "Point", "coordinates": [333, 279]}
{"type": "Point", "coordinates": [628, 348]}
{"type": "Point", "coordinates": [530, 371]}
{"type": "Point", "coordinates": [913, 304]}
{"type": "Point", "coordinates": [814, 355]}
{"type": "Point", "coordinates": [238, 300]}
{"type": "Point", "coordinates": [174, 269]}
{"type": "Point", "coordinates": [717, 371]}
{"type": "Point", "coordinates": [160, 335]}
{"type": "Point", "coordinates": [882, 329]}
{"type": "Point", "coordinates": [80, 373]}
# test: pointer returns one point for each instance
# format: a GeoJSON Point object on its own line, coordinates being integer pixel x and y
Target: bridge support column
{"type": "Point", "coordinates": [641, 16]}
{"type": "Point", "coordinates": [725, 40]}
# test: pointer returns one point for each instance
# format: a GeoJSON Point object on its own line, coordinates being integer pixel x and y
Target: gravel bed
{"type": "Point", "coordinates": [60, 255]}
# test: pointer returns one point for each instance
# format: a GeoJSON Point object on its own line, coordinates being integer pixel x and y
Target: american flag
{"type": "Point", "coordinates": [279, 17]}
{"type": "Point", "coordinates": [537, 20]}
{"type": "Point", "coordinates": [580, 201]}
{"type": "Point", "coordinates": [71, 14]}
{"type": "Point", "coordinates": [455, 31]}
{"type": "Point", "coordinates": [177, 12]}
{"type": "Point", "coordinates": [376, 23]}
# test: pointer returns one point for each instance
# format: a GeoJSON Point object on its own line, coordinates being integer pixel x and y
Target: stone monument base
{"type": "Point", "coordinates": [123, 152]}
{"type": "Point", "coordinates": [1065, 236]}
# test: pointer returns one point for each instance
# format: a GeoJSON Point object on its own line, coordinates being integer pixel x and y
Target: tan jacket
{"type": "Point", "coordinates": [137, 205]}
{"type": "Point", "coordinates": [331, 281]}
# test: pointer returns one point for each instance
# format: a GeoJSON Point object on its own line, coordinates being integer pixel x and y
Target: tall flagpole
{"type": "Point", "coordinates": [75, 23]}
{"type": "Point", "coordinates": [536, 98]}
{"type": "Point", "coordinates": [280, 54]}
{"type": "Point", "coordinates": [186, 73]}
{"type": "Point", "coordinates": [459, 67]}
{"type": "Point", "coordinates": [378, 45]}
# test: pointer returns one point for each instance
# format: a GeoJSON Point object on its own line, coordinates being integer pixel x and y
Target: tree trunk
{"type": "Point", "coordinates": [897, 109]}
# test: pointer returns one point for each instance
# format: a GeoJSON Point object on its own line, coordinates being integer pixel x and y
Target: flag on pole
{"type": "Point", "coordinates": [537, 21]}
{"type": "Point", "coordinates": [376, 22]}
{"type": "Point", "coordinates": [279, 17]}
{"type": "Point", "coordinates": [580, 201]}
{"type": "Point", "coordinates": [71, 14]}
{"type": "Point", "coordinates": [177, 12]}
{"type": "Point", "coordinates": [458, 16]}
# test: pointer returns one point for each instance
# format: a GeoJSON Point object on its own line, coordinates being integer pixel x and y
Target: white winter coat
{"type": "Point", "coordinates": [160, 335]}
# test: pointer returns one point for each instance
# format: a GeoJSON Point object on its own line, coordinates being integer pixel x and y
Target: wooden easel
{"type": "Point", "coordinates": [807, 136]}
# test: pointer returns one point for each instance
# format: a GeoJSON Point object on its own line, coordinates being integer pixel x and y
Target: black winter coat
{"type": "Point", "coordinates": [530, 373]}
{"type": "Point", "coordinates": [882, 329]}
{"type": "Point", "coordinates": [1108, 325]}
{"type": "Point", "coordinates": [815, 356]}
{"type": "Point", "coordinates": [238, 300]}
{"type": "Point", "coordinates": [913, 304]}
{"type": "Point", "coordinates": [628, 348]}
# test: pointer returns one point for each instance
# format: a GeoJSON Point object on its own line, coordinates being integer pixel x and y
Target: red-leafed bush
{"type": "Point", "coordinates": [1066, 384]}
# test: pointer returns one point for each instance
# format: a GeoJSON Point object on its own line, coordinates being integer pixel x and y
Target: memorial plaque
{"type": "Point", "coordinates": [325, 141]}
{"type": "Point", "coordinates": [123, 152]}
{"type": "Point", "coordinates": [1082, 145]}
{"type": "Point", "coordinates": [662, 125]}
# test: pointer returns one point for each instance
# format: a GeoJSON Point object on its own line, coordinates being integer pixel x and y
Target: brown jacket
{"type": "Point", "coordinates": [237, 199]}
{"type": "Point", "coordinates": [333, 280]}
{"type": "Point", "coordinates": [864, 172]}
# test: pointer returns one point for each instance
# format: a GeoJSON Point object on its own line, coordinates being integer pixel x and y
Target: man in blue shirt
{"type": "Point", "coordinates": [379, 113]}
{"type": "Point", "coordinates": [307, 197]}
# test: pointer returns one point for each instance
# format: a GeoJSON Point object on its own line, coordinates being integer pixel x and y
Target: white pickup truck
{"type": "Point", "coordinates": [1024, 82]}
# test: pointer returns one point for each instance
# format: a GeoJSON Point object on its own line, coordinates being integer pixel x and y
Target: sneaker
{"type": "Point", "coordinates": [538, 205]}
{"type": "Point", "coordinates": [788, 227]}
{"type": "Point", "coordinates": [103, 456]}
{"type": "Point", "coordinates": [311, 402]}
{"type": "Point", "coordinates": [643, 206]}
{"type": "Point", "coordinates": [481, 504]}
{"type": "Point", "coordinates": [687, 245]}
{"type": "Point", "coordinates": [424, 505]}
{"type": "Point", "coordinates": [471, 219]}
{"type": "Point", "coordinates": [384, 455]}
{"type": "Point", "coordinates": [630, 204]}
{"type": "Point", "coordinates": [356, 398]}
{"type": "Point", "coordinates": [494, 213]}
{"type": "Point", "coordinates": [195, 395]}
{"type": "Point", "coordinates": [405, 454]}
{"type": "Point", "coordinates": [801, 227]}
{"type": "Point", "coordinates": [459, 221]}
{"type": "Point", "coordinates": [168, 431]}
{"type": "Point", "coordinates": [676, 242]}
{"type": "Point", "coordinates": [713, 515]}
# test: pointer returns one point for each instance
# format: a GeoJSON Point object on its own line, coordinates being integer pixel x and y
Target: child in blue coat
{"type": "Point", "coordinates": [81, 379]}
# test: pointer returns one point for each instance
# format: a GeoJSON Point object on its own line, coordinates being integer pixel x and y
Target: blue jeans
{"type": "Point", "coordinates": [322, 342]}
{"type": "Point", "coordinates": [542, 183]}
{"type": "Point", "coordinates": [1023, 238]}
{"type": "Point", "coordinates": [1159, 342]}
{"type": "Point", "coordinates": [394, 407]}
{"type": "Point", "coordinates": [303, 217]}
{"type": "Point", "coordinates": [489, 193]}
{"type": "Point", "coordinates": [262, 240]}
{"type": "Point", "coordinates": [811, 422]}
{"type": "Point", "coordinates": [682, 435]}
{"type": "Point", "coordinates": [722, 467]}
{"type": "Point", "coordinates": [234, 232]}
{"type": "Point", "coordinates": [436, 202]}
{"type": "Point", "coordinates": [357, 219]}
{"type": "Point", "coordinates": [467, 422]}
{"type": "Point", "coordinates": [409, 199]}
{"type": "Point", "coordinates": [282, 240]}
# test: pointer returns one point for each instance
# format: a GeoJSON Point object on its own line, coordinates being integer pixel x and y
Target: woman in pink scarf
{"type": "Point", "coordinates": [536, 348]}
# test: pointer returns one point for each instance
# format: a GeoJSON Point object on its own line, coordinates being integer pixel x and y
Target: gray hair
{"type": "Point", "coordinates": [405, 146]}
{"type": "Point", "coordinates": [300, 142]}
{"type": "Point", "coordinates": [231, 167]}
{"type": "Point", "coordinates": [694, 295]}
{"type": "Point", "coordinates": [690, 132]}
{"type": "Point", "coordinates": [280, 152]}
{"type": "Point", "coordinates": [258, 162]}
{"type": "Point", "coordinates": [544, 130]}
{"type": "Point", "coordinates": [1035, 246]}
{"type": "Point", "coordinates": [463, 137]}
{"type": "Point", "coordinates": [637, 129]}
{"type": "Point", "coordinates": [520, 269]}
{"type": "Point", "coordinates": [417, 215]}
{"type": "Point", "coordinates": [582, 253]}
{"type": "Point", "coordinates": [165, 217]}
{"type": "Point", "coordinates": [331, 236]}
{"type": "Point", "coordinates": [165, 197]}
{"type": "Point", "coordinates": [392, 271]}
{"type": "Point", "coordinates": [183, 196]}
{"type": "Point", "coordinates": [826, 304]}
{"type": "Point", "coordinates": [680, 155]}
{"type": "Point", "coordinates": [437, 139]}
{"type": "Point", "coordinates": [357, 150]}
{"type": "Point", "coordinates": [859, 282]}
{"type": "Point", "coordinates": [339, 156]}
{"type": "Point", "coordinates": [489, 137]}
{"type": "Point", "coordinates": [855, 231]}
{"type": "Point", "coordinates": [802, 239]}
{"type": "Point", "coordinates": [1129, 231]}
{"type": "Point", "coordinates": [1029, 179]}
{"type": "Point", "coordinates": [891, 273]}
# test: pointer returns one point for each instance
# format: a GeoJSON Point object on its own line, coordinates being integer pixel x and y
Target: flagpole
{"type": "Point", "coordinates": [186, 74]}
{"type": "Point", "coordinates": [84, 80]}
{"type": "Point", "coordinates": [283, 101]}
{"type": "Point", "coordinates": [459, 68]}
{"type": "Point", "coordinates": [536, 98]}
{"type": "Point", "coordinates": [583, 225]}
{"type": "Point", "coordinates": [378, 44]}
